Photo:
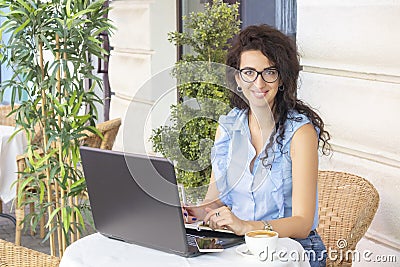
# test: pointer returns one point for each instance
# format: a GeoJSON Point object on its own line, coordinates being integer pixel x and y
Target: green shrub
{"type": "Point", "coordinates": [188, 139]}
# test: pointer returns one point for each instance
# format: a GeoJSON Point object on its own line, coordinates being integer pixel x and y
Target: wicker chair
{"type": "Point", "coordinates": [347, 205]}
{"type": "Point", "coordinates": [12, 255]}
{"type": "Point", "coordinates": [108, 129]}
{"type": "Point", "coordinates": [5, 117]}
{"type": "Point", "coordinates": [9, 119]}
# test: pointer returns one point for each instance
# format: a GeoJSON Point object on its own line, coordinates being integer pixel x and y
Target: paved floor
{"type": "Point", "coordinates": [7, 232]}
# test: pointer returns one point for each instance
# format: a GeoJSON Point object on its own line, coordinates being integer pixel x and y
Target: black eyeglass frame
{"type": "Point", "coordinates": [259, 73]}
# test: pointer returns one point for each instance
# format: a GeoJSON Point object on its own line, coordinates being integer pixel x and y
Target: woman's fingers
{"type": "Point", "coordinates": [188, 215]}
{"type": "Point", "coordinates": [218, 218]}
{"type": "Point", "coordinates": [185, 215]}
{"type": "Point", "coordinates": [210, 212]}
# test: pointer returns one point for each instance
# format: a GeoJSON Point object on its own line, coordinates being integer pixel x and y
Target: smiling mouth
{"type": "Point", "coordinates": [259, 94]}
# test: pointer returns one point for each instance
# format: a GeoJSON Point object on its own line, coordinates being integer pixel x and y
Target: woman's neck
{"type": "Point", "coordinates": [262, 117]}
{"type": "Point", "coordinates": [262, 120]}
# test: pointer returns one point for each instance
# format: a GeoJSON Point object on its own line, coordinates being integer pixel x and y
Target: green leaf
{"type": "Point", "coordinates": [15, 133]}
{"type": "Point", "coordinates": [80, 218]}
{"type": "Point", "coordinates": [51, 217]}
{"type": "Point", "coordinates": [68, 8]}
{"type": "Point", "coordinates": [20, 28]}
{"type": "Point", "coordinates": [65, 215]}
{"type": "Point", "coordinates": [42, 191]}
{"type": "Point", "coordinates": [81, 13]}
{"type": "Point", "coordinates": [25, 5]}
{"type": "Point", "coordinates": [77, 183]}
{"type": "Point", "coordinates": [22, 187]}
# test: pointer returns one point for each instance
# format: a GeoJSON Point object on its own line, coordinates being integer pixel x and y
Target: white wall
{"type": "Point", "coordinates": [351, 56]}
{"type": "Point", "coordinates": [141, 51]}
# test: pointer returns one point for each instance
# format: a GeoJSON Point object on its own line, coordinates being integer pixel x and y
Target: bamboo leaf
{"type": "Point", "coordinates": [25, 5]}
{"type": "Point", "coordinates": [75, 158]}
{"type": "Point", "coordinates": [13, 13]}
{"type": "Point", "coordinates": [94, 130]}
{"type": "Point", "coordinates": [100, 30]}
{"type": "Point", "coordinates": [80, 217]}
{"type": "Point", "coordinates": [81, 13]}
{"type": "Point", "coordinates": [77, 183]}
{"type": "Point", "coordinates": [15, 133]}
{"type": "Point", "coordinates": [94, 40]}
{"type": "Point", "coordinates": [65, 215]}
{"type": "Point", "coordinates": [55, 211]}
{"type": "Point", "coordinates": [42, 191]}
{"type": "Point", "coordinates": [20, 28]}
{"type": "Point", "coordinates": [22, 186]}
{"type": "Point", "coordinates": [68, 8]}
{"type": "Point", "coordinates": [42, 160]}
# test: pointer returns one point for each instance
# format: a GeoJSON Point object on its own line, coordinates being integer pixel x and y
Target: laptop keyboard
{"type": "Point", "coordinates": [191, 239]}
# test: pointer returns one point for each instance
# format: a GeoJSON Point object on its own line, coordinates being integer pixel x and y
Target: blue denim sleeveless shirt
{"type": "Point", "coordinates": [265, 193]}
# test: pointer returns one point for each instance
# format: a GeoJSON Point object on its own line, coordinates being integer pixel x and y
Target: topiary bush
{"type": "Point", "coordinates": [188, 138]}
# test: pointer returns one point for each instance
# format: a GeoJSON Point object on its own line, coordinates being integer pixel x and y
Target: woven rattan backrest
{"type": "Point", "coordinates": [109, 129]}
{"type": "Point", "coordinates": [4, 118]}
{"type": "Point", "coordinates": [12, 255]}
{"type": "Point", "coordinates": [347, 205]}
{"type": "Point", "coordinates": [10, 121]}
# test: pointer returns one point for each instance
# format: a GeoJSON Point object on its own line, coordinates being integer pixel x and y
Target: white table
{"type": "Point", "coordinates": [9, 150]}
{"type": "Point", "coordinates": [97, 250]}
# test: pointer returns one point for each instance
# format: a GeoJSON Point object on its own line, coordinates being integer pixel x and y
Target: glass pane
{"type": "Point", "coordinates": [286, 16]}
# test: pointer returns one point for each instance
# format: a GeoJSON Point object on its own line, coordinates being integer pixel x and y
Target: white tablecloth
{"type": "Point", "coordinates": [9, 150]}
{"type": "Point", "coordinates": [97, 250]}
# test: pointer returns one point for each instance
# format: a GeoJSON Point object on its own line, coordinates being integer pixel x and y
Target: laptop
{"type": "Point", "coordinates": [135, 199]}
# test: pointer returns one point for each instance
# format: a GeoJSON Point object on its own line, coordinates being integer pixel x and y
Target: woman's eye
{"type": "Point", "coordinates": [270, 72]}
{"type": "Point", "coordinates": [249, 72]}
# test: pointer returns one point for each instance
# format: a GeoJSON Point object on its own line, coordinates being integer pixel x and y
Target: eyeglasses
{"type": "Point", "coordinates": [269, 75]}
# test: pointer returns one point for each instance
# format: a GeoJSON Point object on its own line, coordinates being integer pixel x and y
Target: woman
{"type": "Point", "coordinates": [265, 155]}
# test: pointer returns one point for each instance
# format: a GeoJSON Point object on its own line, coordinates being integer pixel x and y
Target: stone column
{"type": "Point", "coordinates": [140, 50]}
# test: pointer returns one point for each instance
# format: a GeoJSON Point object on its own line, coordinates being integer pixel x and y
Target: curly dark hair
{"type": "Point", "coordinates": [282, 53]}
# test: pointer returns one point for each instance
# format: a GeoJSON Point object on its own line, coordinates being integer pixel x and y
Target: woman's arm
{"type": "Point", "coordinates": [304, 154]}
{"type": "Point", "coordinates": [211, 202]}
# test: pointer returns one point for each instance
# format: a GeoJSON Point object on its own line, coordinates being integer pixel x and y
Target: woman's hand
{"type": "Point", "coordinates": [223, 218]}
{"type": "Point", "coordinates": [192, 214]}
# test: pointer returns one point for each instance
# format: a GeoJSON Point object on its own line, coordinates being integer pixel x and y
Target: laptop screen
{"type": "Point", "coordinates": [134, 198]}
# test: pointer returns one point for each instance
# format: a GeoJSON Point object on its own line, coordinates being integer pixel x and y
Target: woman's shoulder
{"type": "Point", "coordinates": [295, 120]}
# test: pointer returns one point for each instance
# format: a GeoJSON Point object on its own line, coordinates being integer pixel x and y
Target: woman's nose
{"type": "Point", "coordinates": [259, 82]}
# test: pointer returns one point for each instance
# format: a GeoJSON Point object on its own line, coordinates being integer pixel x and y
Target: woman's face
{"type": "Point", "coordinates": [259, 92]}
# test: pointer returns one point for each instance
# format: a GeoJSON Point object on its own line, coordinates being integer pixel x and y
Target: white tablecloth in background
{"type": "Point", "coordinates": [9, 150]}
{"type": "Point", "coordinates": [97, 250]}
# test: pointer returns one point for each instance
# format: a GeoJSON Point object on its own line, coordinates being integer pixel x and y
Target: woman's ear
{"type": "Point", "coordinates": [237, 78]}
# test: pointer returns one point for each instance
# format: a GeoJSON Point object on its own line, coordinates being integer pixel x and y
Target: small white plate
{"type": "Point", "coordinates": [244, 251]}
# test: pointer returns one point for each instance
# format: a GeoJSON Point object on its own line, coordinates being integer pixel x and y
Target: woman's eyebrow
{"type": "Point", "coordinates": [251, 68]}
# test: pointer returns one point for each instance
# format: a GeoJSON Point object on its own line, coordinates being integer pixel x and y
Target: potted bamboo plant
{"type": "Point", "coordinates": [49, 53]}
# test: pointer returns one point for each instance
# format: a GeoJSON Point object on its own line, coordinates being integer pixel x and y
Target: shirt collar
{"type": "Point", "coordinates": [242, 123]}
